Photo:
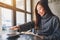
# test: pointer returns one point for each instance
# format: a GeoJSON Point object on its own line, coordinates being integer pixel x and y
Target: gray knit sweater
{"type": "Point", "coordinates": [49, 27]}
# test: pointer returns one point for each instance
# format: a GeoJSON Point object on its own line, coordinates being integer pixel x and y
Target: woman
{"type": "Point", "coordinates": [47, 23]}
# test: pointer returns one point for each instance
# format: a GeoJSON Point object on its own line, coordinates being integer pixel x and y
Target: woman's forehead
{"type": "Point", "coordinates": [39, 6]}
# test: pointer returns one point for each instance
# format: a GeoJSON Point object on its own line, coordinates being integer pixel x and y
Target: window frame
{"type": "Point", "coordinates": [13, 7]}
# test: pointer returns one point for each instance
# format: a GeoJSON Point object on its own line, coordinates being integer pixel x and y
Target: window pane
{"type": "Point", "coordinates": [20, 18]}
{"type": "Point", "coordinates": [28, 17]}
{"type": "Point", "coordinates": [0, 21]}
{"type": "Point", "coordinates": [6, 18]}
{"type": "Point", "coordinates": [7, 1]}
{"type": "Point", "coordinates": [20, 4]}
{"type": "Point", "coordinates": [28, 5]}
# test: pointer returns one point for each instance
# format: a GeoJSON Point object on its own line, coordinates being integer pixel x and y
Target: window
{"type": "Point", "coordinates": [20, 4]}
{"type": "Point", "coordinates": [28, 5]}
{"type": "Point", "coordinates": [28, 17]}
{"type": "Point", "coordinates": [9, 2]}
{"type": "Point", "coordinates": [0, 21]}
{"type": "Point", "coordinates": [6, 17]}
{"type": "Point", "coordinates": [20, 18]}
{"type": "Point", "coordinates": [22, 9]}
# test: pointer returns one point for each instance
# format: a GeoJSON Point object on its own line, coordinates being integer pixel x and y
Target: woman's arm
{"type": "Point", "coordinates": [23, 27]}
{"type": "Point", "coordinates": [27, 26]}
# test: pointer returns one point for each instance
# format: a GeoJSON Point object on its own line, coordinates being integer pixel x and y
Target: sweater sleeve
{"type": "Point", "coordinates": [56, 34]}
{"type": "Point", "coordinates": [27, 26]}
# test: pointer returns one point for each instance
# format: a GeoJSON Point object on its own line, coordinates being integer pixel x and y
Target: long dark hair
{"type": "Point", "coordinates": [47, 9]}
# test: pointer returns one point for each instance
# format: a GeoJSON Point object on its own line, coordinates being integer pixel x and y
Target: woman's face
{"type": "Point", "coordinates": [40, 10]}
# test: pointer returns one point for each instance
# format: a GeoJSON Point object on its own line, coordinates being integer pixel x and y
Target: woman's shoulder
{"type": "Point", "coordinates": [55, 17]}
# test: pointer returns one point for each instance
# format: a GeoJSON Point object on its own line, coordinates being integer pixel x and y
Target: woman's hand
{"type": "Point", "coordinates": [42, 37]}
{"type": "Point", "coordinates": [15, 28]}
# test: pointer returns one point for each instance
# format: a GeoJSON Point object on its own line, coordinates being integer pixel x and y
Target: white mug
{"type": "Point", "coordinates": [9, 31]}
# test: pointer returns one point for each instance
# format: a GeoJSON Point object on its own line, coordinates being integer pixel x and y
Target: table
{"type": "Point", "coordinates": [23, 37]}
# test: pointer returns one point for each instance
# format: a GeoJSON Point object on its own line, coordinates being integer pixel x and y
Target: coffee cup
{"type": "Point", "coordinates": [9, 31]}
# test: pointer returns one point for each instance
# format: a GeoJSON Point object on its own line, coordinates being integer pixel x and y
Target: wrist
{"type": "Point", "coordinates": [42, 37]}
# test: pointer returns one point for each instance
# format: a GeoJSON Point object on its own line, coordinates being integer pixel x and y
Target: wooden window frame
{"type": "Point", "coordinates": [17, 9]}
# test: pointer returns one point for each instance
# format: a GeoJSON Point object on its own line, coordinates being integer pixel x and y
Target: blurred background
{"type": "Point", "coordinates": [17, 12]}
